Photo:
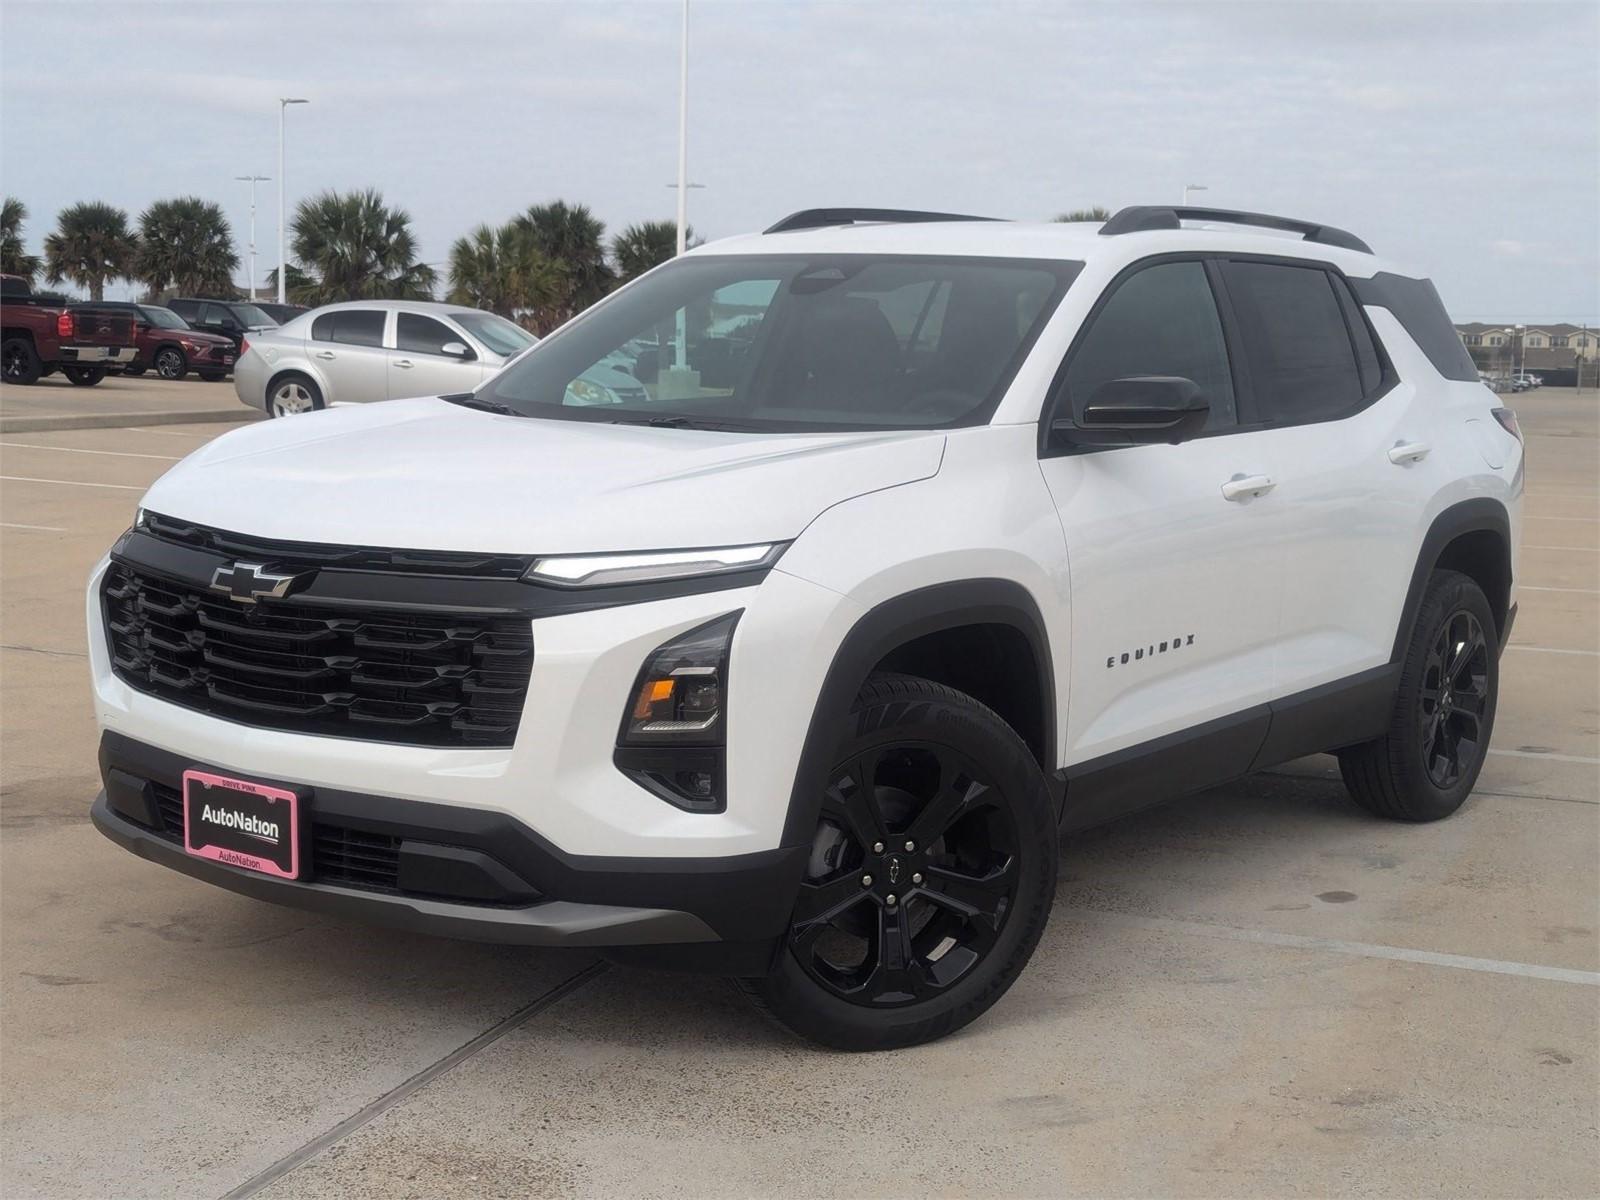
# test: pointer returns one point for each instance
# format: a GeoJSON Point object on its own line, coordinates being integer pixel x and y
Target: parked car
{"type": "Point", "coordinates": [231, 319]}
{"type": "Point", "coordinates": [169, 345]}
{"type": "Point", "coordinates": [363, 351]}
{"type": "Point", "coordinates": [39, 338]}
{"type": "Point", "coordinates": [994, 531]}
{"type": "Point", "coordinates": [1523, 381]}
{"type": "Point", "coordinates": [282, 313]}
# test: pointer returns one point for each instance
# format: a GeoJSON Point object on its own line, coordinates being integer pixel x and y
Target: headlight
{"type": "Point", "coordinates": [597, 570]}
{"type": "Point", "coordinates": [583, 394]}
{"type": "Point", "coordinates": [675, 725]}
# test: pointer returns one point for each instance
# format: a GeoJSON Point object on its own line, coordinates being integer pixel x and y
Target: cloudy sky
{"type": "Point", "coordinates": [1461, 138]}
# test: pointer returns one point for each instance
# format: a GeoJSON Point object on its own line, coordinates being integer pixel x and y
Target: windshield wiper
{"type": "Point", "coordinates": [472, 400]}
{"type": "Point", "coordinates": [676, 421]}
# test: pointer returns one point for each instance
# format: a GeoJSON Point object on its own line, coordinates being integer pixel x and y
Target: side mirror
{"type": "Point", "coordinates": [459, 350]}
{"type": "Point", "coordinates": [1138, 410]}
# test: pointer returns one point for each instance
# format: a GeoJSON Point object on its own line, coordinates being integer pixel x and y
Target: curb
{"type": "Point", "coordinates": [124, 420]}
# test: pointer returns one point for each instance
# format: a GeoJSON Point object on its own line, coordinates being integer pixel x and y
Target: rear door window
{"type": "Point", "coordinates": [351, 326]}
{"type": "Point", "coordinates": [1160, 321]}
{"type": "Point", "coordinates": [1302, 359]}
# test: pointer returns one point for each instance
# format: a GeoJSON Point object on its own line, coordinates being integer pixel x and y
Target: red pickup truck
{"type": "Point", "coordinates": [38, 338]}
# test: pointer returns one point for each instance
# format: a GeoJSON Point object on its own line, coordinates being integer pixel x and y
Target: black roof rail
{"type": "Point", "coordinates": [819, 218]}
{"type": "Point", "coordinates": [1142, 217]}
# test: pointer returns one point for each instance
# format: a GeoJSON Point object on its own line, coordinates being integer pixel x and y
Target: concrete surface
{"type": "Point", "coordinates": [115, 402]}
{"type": "Point", "coordinates": [1256, 992]}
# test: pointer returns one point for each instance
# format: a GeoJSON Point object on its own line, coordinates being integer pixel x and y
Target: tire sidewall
{"type": "Point", "coordinates": [167, 354]}
{"type": "Point", "coordinates": [1449, 593]}
{"type": "Point", "coordinates": [805, 1006]}
{"type": "Point", "coordinates": [305, 382]}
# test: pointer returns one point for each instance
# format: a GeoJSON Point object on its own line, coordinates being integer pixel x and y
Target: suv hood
{"type": "Point", "coordinates": [428, 475]}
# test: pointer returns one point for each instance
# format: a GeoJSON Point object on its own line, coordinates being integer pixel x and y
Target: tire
{"type": "Point", "coordinates": [1425, 766]}
{"type": "Point", "coordinates": [290, 395]}
{"type": "Point", "coordinates": [960, 911]}
{"type": "Point", "coordinates": [213, 376]}
{"type": "Point", "coordinates": [19, 362]}
{"type": "Point", "coordinates": [84, 376]}
{"type": "Point", "coordinates": [170, 363]}
{"type": "Point", "coordinates": [134, 372]}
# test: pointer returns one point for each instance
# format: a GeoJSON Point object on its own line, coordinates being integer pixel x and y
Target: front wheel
{"type": "Point", "coordinates": [931, 874]}
{"type": "Point", "coordinates": [170, 364]}
{"type": "Point", "coordinates": [1423, 768]}
{"type": "Point", "coordinates": [84, 376]}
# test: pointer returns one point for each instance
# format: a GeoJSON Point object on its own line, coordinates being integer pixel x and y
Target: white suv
{"type": "Point", "coordinates": [929, 538]}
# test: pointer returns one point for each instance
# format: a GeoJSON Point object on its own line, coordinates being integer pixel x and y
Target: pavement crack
{"type": "Point", "coordinates": [44, 650]}
{"type": "Point", "coordinates": [264, 1179]}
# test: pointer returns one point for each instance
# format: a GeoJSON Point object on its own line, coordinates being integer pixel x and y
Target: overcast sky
{"type": "Point", "coordinates": [1461, 138]}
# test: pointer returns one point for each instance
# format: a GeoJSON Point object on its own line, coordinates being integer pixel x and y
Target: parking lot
{"type": "Point", "coordinates": [1256, 992]}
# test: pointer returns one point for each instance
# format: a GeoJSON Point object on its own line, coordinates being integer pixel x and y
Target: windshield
{"type": "Point", "coordinates": [163, 318]}
{"type": "Point", "coordinates": [251, 316]}
{"type": "Point", "coordinates": [842, 342]}
{"type": "Point", "coordinates": [497, 333]}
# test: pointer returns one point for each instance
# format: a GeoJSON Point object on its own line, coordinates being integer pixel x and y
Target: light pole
{"type": "Point", "coordinates": [683, 134]}
{"type": "Point", "coordinates": [252, 180]}
{"type": "Point", "coordinates": [1192, 187]}
{"type": "Point", "coordinates": [283, 253]}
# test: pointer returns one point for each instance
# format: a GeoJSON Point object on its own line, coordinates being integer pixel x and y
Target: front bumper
{"type": "Point", "coordinates": [477, 874]}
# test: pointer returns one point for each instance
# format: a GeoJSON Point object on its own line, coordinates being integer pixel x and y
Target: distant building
{"type": "Point", "coordinates": [1552, 347]}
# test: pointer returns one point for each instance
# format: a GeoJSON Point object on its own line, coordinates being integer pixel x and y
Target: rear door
{"type": "Point", "coordinates": [1175, 585]}
{"type": "Point", "coordinates": [1352, 447]}
{"type": "Point", "coordinates": [418, 364]}
{"type": "Point", "coordinates": [347, 346]}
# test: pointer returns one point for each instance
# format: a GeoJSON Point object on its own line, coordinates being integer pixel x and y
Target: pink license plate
{"type": "Point", "coordinates": [243, 824]}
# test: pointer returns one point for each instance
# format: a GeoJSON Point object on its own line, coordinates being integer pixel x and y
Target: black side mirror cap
{"type": "Point", "coordinates": [1137, 410]}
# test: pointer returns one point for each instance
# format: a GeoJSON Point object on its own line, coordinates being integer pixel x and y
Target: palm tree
{"type": "Point", "coordinates": [503, 271]}
{"type": "Point", "coordinates": [648, 244]}
{"type": "Point", "coordinates": [92, 243]}
{"type": "Point", "coordinates": [13, 259]}
{"type": "Point", "coordinates": [1086, 214]}
{"type": "Point", "coordinates": [570, 236]}
{"type": "Point", "coordinates": [186, 243]}
{"type": "Point", "coordinates": [351, 246]}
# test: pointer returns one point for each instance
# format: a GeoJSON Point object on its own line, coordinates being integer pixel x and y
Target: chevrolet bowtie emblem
{"type": "Point", "coordinates": [249, 582]}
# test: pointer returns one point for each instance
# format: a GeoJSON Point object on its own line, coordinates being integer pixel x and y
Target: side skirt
{"type": "Point", "coordinates": [1329, 717]}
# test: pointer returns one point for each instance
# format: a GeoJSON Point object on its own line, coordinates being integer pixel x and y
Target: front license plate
{"type": "Point", "coordinates": [243, 824]}
{"type": "Point", "coordinates": [227, 360]}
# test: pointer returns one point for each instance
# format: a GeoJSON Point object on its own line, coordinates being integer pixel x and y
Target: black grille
{"type": "Point", "coordinates": [339, 855]}
{"type": "Point", "coordinates": [428, 679]}
{"type": "Point", "coordinates": [299, 556]}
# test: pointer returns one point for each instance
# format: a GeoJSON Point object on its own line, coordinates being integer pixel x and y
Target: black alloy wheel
{"type": "Point", "coordinates": [80, 376]}
{"type": "Point", "coordinates": [19, 362]}
{"type": "Point", "coordinates": [1454, 698]}
{"type": "Point", "coordinates": [929, 877]}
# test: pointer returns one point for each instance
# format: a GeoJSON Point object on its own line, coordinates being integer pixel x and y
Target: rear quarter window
{"type": "Point", "coordinates": [1416, 305]}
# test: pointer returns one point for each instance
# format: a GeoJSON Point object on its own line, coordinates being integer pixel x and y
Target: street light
{"type": "Point", "coordinates": [1192, 187]}
{"type": "Point", "coordinates": [283, 254]}
{"type": "Point", "coordinates": [683, 134]}
{"type": "Point", "coordinates": [252, 180]}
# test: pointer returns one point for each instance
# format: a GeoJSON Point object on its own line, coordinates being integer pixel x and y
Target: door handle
{"type": "Point", "coordinates": [403, 362]}
{"type": "Point", "coordinates": [326, 354]}
{"type": "Point", "coordinates": [1403, 453]}
{"type": "Point", "coordinates": [1247, 487]}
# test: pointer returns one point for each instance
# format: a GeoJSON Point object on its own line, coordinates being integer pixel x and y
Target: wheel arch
{"type": "Point", "coordinates": [928, 628]}
{"type": "Point", "coordinates": [1473, 537]}
{"type": "Point", "coordinates": [278, 376]}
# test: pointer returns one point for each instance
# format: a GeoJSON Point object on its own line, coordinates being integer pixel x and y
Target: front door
{"type": "Point", "coordinates": [418, 364]}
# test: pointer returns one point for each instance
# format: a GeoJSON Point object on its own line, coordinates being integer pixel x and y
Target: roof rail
{"type": "Point", "coordinates": [818, 218]}
{"type": "Point", "coordinates": [1140, 218]}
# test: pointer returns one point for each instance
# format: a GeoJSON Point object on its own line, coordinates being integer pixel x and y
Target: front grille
{"type": "Point", "coordinates": [426, 679]}
{"type": "Point", "coordinates": [300, 556]}
{"type": "Point", "coordinates": [339, 855]}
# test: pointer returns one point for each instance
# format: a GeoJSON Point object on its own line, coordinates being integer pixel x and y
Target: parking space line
{"type": "Point", "coordinates": [75, 450]}
{"type": "Point", "coordinates": [39, 528]}
{"type": "Point", "coordinates": [1523, 587]}
{"type": "Point", "coordinates": [1569, 549]}
{"type": "Point", "coordinates": [1553, 650]}
{"type": "Point", "coordinates": [121, 487]}
{"type": "Point", "coordinates": [421, 1079]}
{"type": "Point", "coordinates": [1551, 757]}
{"type": "Point", "coordinates": [1584, 520]}
{"type": "Point", "coordinates": [1298, 941]}
{"type": "Point", "coordinates": [173, 433]}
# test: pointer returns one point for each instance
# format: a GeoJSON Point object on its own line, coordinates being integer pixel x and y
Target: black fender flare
{"type": "Point", "coordinates": [1477, 515]}
{"type": "Point", "coordinates": [886, 627]}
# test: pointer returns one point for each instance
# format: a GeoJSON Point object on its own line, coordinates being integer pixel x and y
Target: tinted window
{"type": "Point", "coordinates": [1416, 305]}
{"type": "Point", "coordinates": [218, 317]}
{"type": "Point", "coordinates": [353, 327]}
{"type": "Point", "coordinates": [1302, 364]}
{"type": "Point", "coordinates": [1161, 321]}
{"type": "Point", "coordinates": [189, 310]}
{"type": "Point", "coordinates": [1367, 362]}
{"type": "Point", "coordinates": [794, 342]}
{"type": "Point", "coordinates": [423, 335]}
{"type": "Point", "coordinates": [497, 333]}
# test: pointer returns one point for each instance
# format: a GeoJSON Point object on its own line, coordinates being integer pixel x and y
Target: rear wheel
{"type": "Point", "coordinates": [171, 364]}
{"type": "Point", "coordinates": [1424, 767]}
{"type": "Point", "coordinates": [931, 874]}
{"type": "Point", "coordinates": [19, 362]}
{"type": "Point", "coordinates": [133, 372]}
{"type": "Point", "coordinates": [292, 395]}
{"type": "Point", "coordinates": [84, 376]}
